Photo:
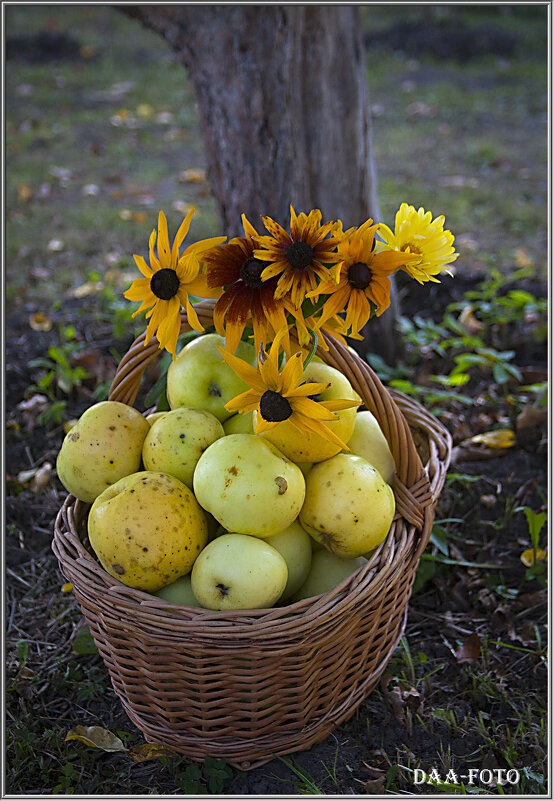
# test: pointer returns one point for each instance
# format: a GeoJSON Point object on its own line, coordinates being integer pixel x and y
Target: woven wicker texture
{"type": "Point", "coordinates": [252, 684]}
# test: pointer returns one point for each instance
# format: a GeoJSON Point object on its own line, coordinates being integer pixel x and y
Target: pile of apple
{"type": "Point", "coordinates": [192, 506]}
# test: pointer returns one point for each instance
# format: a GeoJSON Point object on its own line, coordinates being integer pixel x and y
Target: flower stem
{"type": "Point", "coordinates": [311, 354]}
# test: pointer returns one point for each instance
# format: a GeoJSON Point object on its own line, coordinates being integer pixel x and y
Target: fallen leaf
{"type": "Point", "coordinates": [146, 751]}
{"type": "Point", "coordinates": [499, 438]}
{"type": "Point", "coordinates": [40, 322]}
{"type": "Point", "coordinates": [181, 206]}
{"type": "Point", "coordinates": [90, 190]}
{"type": "Point", "coordinates": [88, 288]}
{"type": "Point", "coordinates": [67, 587]}
{"type": "Point", "coordinates": [420, 109]}
{"type": "Point", "coordinates": [144, 110]}
{"type": "Point", "coordinates": [163, 117]}
{"type": "Point", "coordinates": [37, 478]}
{"type": "Point", "coordinates": [31, 408]}
{"type": "Point", "coordinates": [56, 245]}
{"type": "Point", "coordinates": [97, 737]}
{"type": "Point", "coordinates": [400, 697]}
{"type": "Point", "coordinates": [24, 193]}
{"type": "Point", "coordinates": [41, 479]}
{"type": "Point", "coordinates": [522, 258]}
{"type": "Point", "coordinates": [196, 175]}
{"type": "Point", "coordinates": [468, 321]}
{"type": "Point", "coordinates": [470, 650]}
{"type": "Point", "coordinates": [530, 417]}
{"type": "Point", "coordinates": [374, 786]}
{"type": "Point", "coordinates": [530, 557]}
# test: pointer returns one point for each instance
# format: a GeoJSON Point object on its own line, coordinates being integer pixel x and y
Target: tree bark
{"type": "Point", "coordinates": [284, 111]}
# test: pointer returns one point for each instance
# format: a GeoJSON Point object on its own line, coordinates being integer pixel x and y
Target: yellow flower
{"type": "Point", "coordinates": [169, 282]}
{"type": "Point", "coordinates": [415, 232]}
{"type": "Point", "coordinates": [363, 284]}
{"type": "Point", "coordinates": [279, 396]}
{"type": "Point", "coordinates": [298, 258]}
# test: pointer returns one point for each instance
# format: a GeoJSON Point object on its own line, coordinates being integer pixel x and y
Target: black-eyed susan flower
{"type": "Point", "coordinates": [170, 281]}
{"type": "Point", "coordinates": [300, 258]}
{"type": "Point", "coordinates": [416, 233]}
{"type": "Point", "coordinates": [246, 299]}
{"type": "Point", "coordinates": [280, 396]}
{"type": "Point", "coordinates": [364, 285]}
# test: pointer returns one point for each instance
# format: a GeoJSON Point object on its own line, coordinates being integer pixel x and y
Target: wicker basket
{"type": "Point", "coordinates": [247, 686]}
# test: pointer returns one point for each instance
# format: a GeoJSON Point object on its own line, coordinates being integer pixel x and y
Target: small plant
{"type": "Point", "coordinates": [534, 558]}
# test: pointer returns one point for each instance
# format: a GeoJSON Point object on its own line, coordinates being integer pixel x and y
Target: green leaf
{"type": "Point", "coordinates": [535, 522]}
{"type": "Point", "coordinates": [22, 647]}
{"type": "Point", "coordinates": [439, 537]}
{"type": "Point", "coordinates": [425, 571]}
{"type": "Point", "coordinates": [83, 642]}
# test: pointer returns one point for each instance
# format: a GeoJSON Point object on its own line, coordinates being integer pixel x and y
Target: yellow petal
{"type": "Point", "coordinates": [263, 425]}
{"type": "Point", "coordinates": [192, 317]}
{"type": "Point", "coordinates": [292, 374]}
{"type": "Point", "coordinates": [164, 251]}
{"type": "Point", "coordinates": [339, 404]}
{"type": "Point", "coordinates": [305, 390]}
{"type": "Point", "coordinates": [311, 408]}
{"type": "Point", "coordinates": [245, 402]}
{"type": "Point", "coordinates": [143, 267]}
{"type": "Point", "coordinates": [180, 235]}
{"type": "Point", "coordinates": [246, 371]}
{"type": "Point", "coordinates": [303, 423]}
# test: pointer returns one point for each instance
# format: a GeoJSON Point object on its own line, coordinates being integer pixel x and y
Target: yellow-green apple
{"type": "Point", "coordinates": [177, 440]}
{"type": "Point", "coordinates": [179, 592]}
{"type": "Point", "coordinates": [153, 416]}
{"type": "Point", "coordinates": [368, 441]}
{"type": "Point", "coordinates": [349, 507]}
{"type": "Point", "coordinates": [239, 424]}
{"type": "Point", "coordinates": [310, 446]}
{"type": "Point", "coordinates": [236, 571]}
{"type": "Point", "coordinates": [147, 530]}
{"type": "Point", "coordinates": [294, 545]}
{"type": "Point", "coordinates": [199, 378]}
{"type": "Point", "coordinates": [327, 570]}
{"type": "Point", "coordinates": [248, 485]}
{"type": "Point", "coordinates": [103, 446]}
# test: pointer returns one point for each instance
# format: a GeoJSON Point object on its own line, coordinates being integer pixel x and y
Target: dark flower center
{"type": "Point", "coordinates": [165, 283]}
{"type": "Point", "coordinates": [300, 255]}
{"type": "Point", "coordinates": [251, 272]}
{"type": "Point", "coordinates": [274, 408]}
{"type": "Point", "coordinates": [359, 275]}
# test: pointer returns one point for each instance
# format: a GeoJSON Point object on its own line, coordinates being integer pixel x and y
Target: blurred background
{"type": "Point", "coordinates": [102, 131]}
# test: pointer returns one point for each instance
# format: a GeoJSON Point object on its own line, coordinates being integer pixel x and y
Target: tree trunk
{"type": "Point", "coordinates": [284, 111]}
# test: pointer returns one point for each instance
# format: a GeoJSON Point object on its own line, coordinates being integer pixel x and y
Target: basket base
{"type": "Point", "coordinates": [261, 750]}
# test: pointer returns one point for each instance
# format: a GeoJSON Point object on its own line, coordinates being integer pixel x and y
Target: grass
{"type": "Point", "coordinates": [123, 120]}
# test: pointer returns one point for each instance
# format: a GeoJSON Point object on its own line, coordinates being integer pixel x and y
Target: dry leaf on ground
{"type": "Point", "coordinates": [97, 737]}
{"type": "Point", "coordinates": [470, 650]}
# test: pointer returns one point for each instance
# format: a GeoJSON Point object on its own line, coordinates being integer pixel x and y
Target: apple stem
{"type": "Point", "coordinates": [311, 354]}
